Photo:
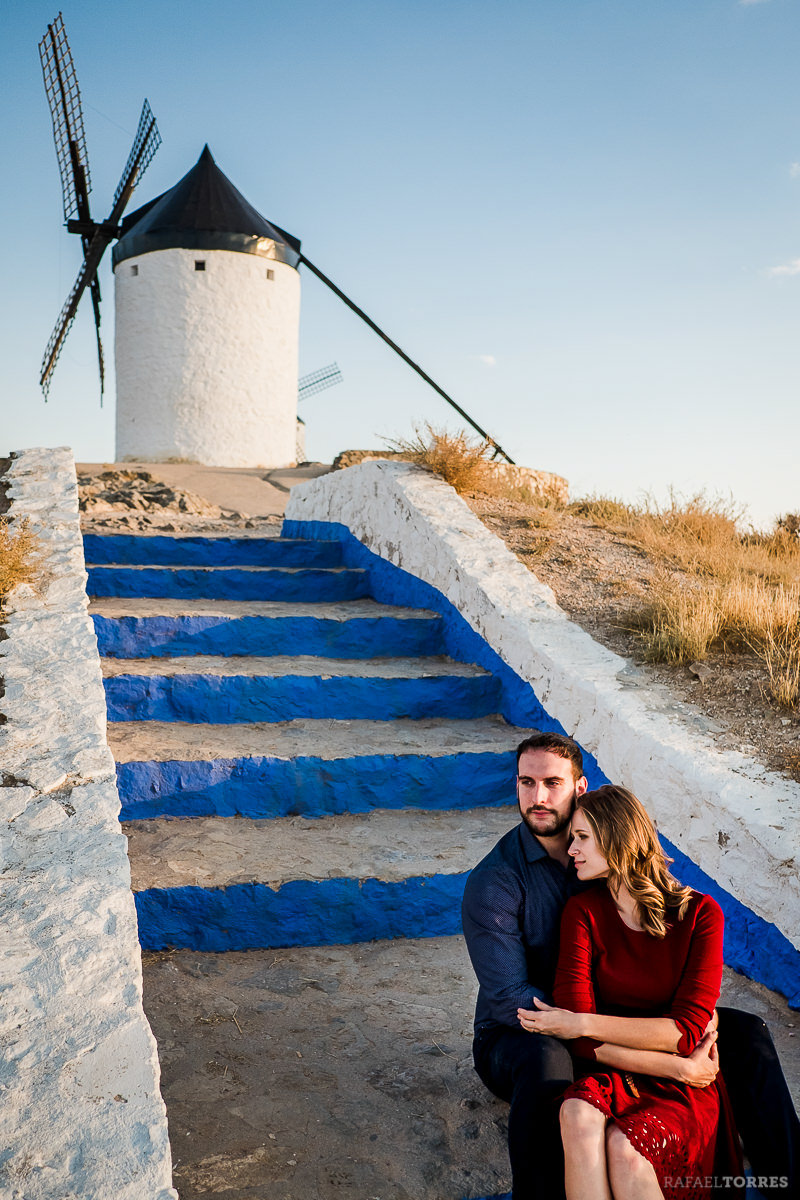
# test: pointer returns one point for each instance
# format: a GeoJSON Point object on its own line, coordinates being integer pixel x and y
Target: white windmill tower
{"type": "Point", "coordinates": [207, 328]}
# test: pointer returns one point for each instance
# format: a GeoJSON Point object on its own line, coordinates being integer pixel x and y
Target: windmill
{"type": "Point", "coordinates": [318, 381]}
{"type": "Point", "coordinates": [310, 385]}
{"type": "Point", "coordinates": [64, 98]}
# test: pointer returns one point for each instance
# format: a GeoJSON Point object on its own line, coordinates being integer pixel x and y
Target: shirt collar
{"type": "Point", "coordinates": [534, 851]}
{"type": "Point", "coordinates": [532, 847]}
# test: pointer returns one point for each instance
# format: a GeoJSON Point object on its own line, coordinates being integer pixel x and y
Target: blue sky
{"type": "Point", "coordinates": [582, 217]}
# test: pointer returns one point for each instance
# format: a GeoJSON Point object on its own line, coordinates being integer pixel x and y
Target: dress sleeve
{"type": "Point", "coordinates": [573, 988]}
{"type": "Point", "coordinates": [698, 990]}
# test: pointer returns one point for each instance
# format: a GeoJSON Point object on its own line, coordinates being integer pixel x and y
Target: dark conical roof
{"type": "Point", "coordinates": [203, 211]}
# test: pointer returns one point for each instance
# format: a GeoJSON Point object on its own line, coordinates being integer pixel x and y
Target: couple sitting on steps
{"type": "Point", "coordinates": [614, 1035]}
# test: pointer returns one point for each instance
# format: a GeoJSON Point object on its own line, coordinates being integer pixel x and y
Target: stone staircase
{"type": "Point", "coordinates": [337, 776]}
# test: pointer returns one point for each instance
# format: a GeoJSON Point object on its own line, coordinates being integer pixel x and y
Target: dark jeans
{"type": "Point", "coordinates": [531, 1071]}
{"type": "Point", "coordinates": [762, 1106]}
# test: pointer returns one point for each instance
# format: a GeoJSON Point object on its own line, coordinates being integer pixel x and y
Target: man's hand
{"type": "Point", "coordinates": [700, 1068]}
{"type": "Point", "coordinates": [555, 1022]}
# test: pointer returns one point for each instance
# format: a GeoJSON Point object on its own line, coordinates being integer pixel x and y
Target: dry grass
{"type": "Point", "coordinates": [781, 654]}
{"type": "Point", "coordinates": [753, 612]}
{"type": "Point", "coordinates": [19, 555]}
{"type": "Point", "coordinates": [717, 587]}
{"type": "Point", "coordinates": [701, 536]}
{"type": "Point", "coordinates": [681, 625]}
{"type": "Point", "coordinates": [605, 511]}
{"type": "Point", "coordinates": [676, 624]}
{"type": "Point", "coordinates": [461, 461]}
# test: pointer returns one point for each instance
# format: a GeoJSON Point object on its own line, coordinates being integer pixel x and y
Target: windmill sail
{"type": "Point", "coordinates": [87, 276]}
{"type": "Point", "coordinates": [62, 328]}
{"type": "Point", "coordinates": [318, 381]}
{"type": "Point", "coordinates": [101, 364]}
{"type": "Point", "coordinates": [145, 144]}
{"type": "Point", "coordinates": [64, 99]}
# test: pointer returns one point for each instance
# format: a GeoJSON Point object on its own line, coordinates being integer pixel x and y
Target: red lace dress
{"type": "Point", "coordinates": [686, 1133]}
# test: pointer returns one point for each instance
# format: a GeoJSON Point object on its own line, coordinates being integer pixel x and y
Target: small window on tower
{"type": "Point", "coordinates": [199, 264]}
{"type": "Point", "coordinates": [134, 270]}
{"type": "Point", "coordinates": [270, 273]}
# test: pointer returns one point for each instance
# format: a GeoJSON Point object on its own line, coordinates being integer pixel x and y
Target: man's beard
{"type": "Point", "coordinates": [554, 825]}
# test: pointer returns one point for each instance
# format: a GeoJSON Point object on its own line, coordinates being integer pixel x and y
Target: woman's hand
{"type": "Point", "coordinates": [700, 1068]}
{"type": "Point", "coordinates": [555, 1022]}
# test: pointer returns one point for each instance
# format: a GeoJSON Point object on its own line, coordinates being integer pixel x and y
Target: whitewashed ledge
{"type": "Point", "coordinates": [738, 822]}
{"type": "Point", "coordinates": [81, 1115]}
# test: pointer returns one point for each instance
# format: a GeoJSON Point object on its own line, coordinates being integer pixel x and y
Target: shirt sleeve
{"type": "Point", "coordinates": [573, 988]}
{"type": "Point", "coordinates": [698, 990]}
{"type": "Point", "coordinates": [491, 914]}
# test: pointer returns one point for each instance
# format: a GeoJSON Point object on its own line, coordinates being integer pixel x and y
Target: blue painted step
{"type": "Point", "coordinates": [218, 633]}
{"type": "Point", "coordinates": [232, 699]}
{"type": "Point", "coordinates": [297, 882]}
{"type": "Point", "coordinates": [263, 786]}
{"type": "Point", "coordinates": [228, 583]}
{"type": "Point", "coordinates": [119, 549]}
{"type": "Point", "coordinates": [302, 912]}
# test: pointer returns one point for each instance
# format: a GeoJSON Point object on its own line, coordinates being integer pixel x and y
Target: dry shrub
{"type": "Point", "coordinates": [680, 624]}
{"type": "Point", "coordinates": [604, 510]}
{"type": "Point", "coordinates": [753, 613]}
{"type": "Point", "coordinates": [696, 535]}
{"type": "Point", "coordinates": [676, 624]}
{"type": "Point", "coordinates": [461, 461]}
{"type": "Point", "coordinates": [789, 524]}
{"type": "Point", "coordinates": [19, 555]}
{"type": "Point", "coordinates": [781, 654]}
{"type": "Point", "coordinates": [544, 515]}
{"type": "Point", "coordinates": [716, 584]}
{"type": "Point", "coordinates": [701, 535]}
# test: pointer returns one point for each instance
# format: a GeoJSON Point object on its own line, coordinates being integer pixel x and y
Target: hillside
{"type": "Point", "coordinates": [601, 577]}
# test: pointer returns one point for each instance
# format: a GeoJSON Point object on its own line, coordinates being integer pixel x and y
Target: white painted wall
{"type": "Point", "coordinates": [206, 361]}
{"type": "Point", "coordinates": [81, 1116]}
{"type": "Point", "coordinates": [735, 820]}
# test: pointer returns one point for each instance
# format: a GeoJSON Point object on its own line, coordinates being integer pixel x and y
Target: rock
{"type": "Point", "coordinates": [117, 492]}
{"type": "Point", "coordinates": [701, 670]}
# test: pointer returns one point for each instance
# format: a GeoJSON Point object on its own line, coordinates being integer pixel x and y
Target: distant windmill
{"type": "Point", "coordinates": [318, 381]}
{"type": "Point", "coordinates": [63, 95]}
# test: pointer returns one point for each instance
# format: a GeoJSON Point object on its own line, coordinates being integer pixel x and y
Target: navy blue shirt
{"type": "Point", "coordinates": [511, 915]}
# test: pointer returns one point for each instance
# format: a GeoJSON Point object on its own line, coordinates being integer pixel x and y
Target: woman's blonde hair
{"type": "Point", "coordinates": [627, 839]}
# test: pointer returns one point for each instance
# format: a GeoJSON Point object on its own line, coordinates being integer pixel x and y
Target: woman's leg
{"type": "Point", "coordinates": [583, 1132]}
{"type": "Point", "coordinates": [632, 1176]}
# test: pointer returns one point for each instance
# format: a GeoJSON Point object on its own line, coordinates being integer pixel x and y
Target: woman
{"type": "Point", "coordinates": [640, 967]}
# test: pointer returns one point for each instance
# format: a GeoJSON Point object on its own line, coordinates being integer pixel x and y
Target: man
{"type": "Point", "coordinates": [511, 914]}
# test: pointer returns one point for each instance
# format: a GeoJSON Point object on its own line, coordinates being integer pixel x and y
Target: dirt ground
{"type": "Point", "coordinates": [341, 1072]}
{"type": "Point", "coordinates": [332, 1073]}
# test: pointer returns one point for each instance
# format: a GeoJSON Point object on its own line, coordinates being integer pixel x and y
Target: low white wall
{"type": "Point", "coordinates": [737, 822]}
{"type": "Point", "coordinates": [81, 1113]}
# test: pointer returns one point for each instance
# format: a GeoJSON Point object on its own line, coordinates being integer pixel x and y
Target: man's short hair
{"type": "Point", "coordinates": [556, 743]}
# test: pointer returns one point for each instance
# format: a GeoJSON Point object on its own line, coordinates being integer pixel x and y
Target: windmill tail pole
{"type": "Point", "coordinates": [498, 449]}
